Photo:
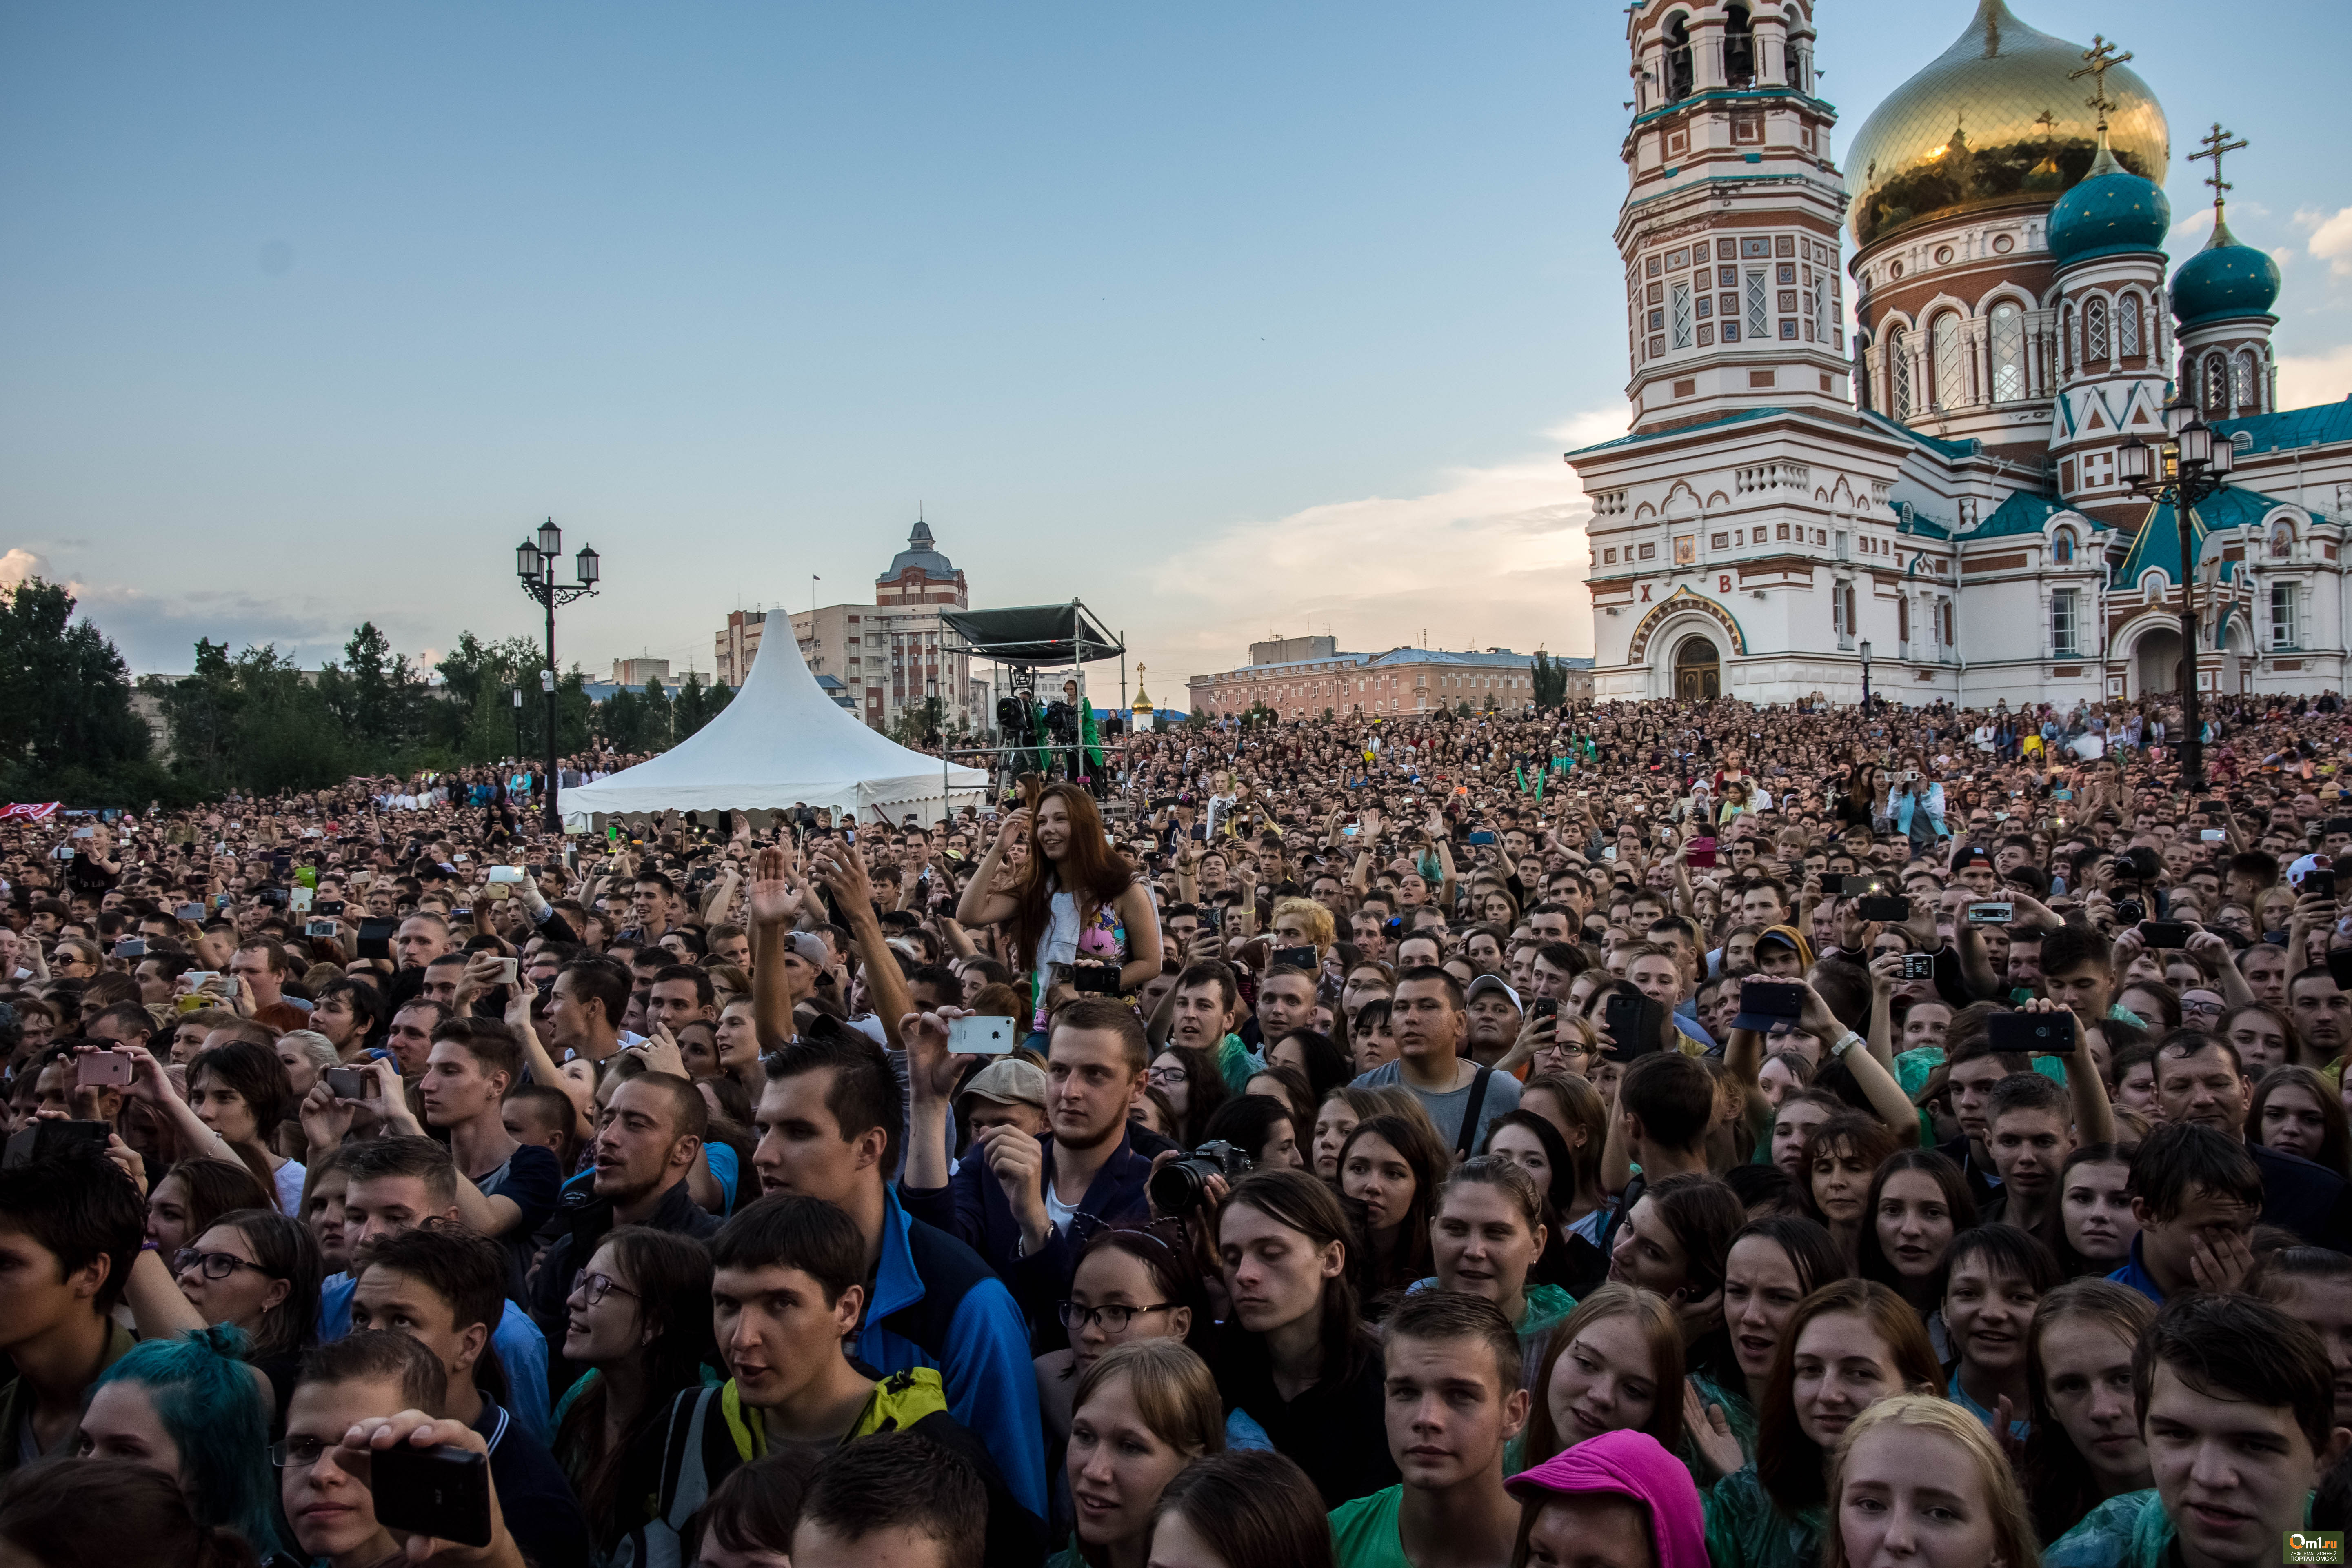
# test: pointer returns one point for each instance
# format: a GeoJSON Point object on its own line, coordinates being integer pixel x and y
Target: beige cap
{"type": "Point", "coordinates": [1009, 1082]}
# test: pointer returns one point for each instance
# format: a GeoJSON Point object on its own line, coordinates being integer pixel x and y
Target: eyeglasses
{"type": "Point", "coordinates": [1114, 1320]}
{"type": "Point", "coordinates": [212, 1265]}
{"type": "Point", "coordinates": [298, 1453]}
{"type": "Point", "coordinates": [2188, 1007]}
{"type": "Point", "coordinates": [1167, 1075]}
{"type": "Point", "coordinates": [593, 1289]}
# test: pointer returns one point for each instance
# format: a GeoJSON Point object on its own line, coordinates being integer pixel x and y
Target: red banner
{"type": "Point", "coordinates": [28, 813]}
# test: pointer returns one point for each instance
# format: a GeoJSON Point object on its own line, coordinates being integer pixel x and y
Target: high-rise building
{"type": "Point", "coordinates": [887, 656]}
{"type": "Point", "coordinates": [637, 672]}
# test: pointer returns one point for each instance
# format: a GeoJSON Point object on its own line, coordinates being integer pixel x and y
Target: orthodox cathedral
{"type": "Point", "coordinates": [1935, 498]}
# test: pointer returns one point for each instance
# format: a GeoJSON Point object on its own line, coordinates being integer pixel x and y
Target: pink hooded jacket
{"type": "Point", "coordinates": [1631, 1465]}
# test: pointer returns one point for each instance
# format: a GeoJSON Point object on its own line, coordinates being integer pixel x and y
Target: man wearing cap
{"type": "Point", "coordinates": [1494, 1010]}
{"type": "Point", "coordinates": [1027, 1203]}
{"type": "Point", "coordinates": [1007, 1093]}
{"type": "Point", "coordinates": [1617, 1501]}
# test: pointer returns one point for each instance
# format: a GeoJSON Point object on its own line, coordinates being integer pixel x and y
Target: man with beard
{"type": "Point", "coordinates": [1026, 1202]}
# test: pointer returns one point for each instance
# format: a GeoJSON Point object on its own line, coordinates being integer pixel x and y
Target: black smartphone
{"type": "Point", "coordinates": [1212, 917]}
{"type": "Point", "coordinates": [1767, 1001]}
{"type": "Point", "coordinates": [1993, 913]}
{"type": "Point", "coordinates": [347, 1083]}
{"type": "Point", "coordinates": [1543, 1008]}
{"type": "Point", "coordinates": [1833, 883]}
{"type": "Point", "coordinates": [2339, 967]}
{"type": "Point", "coordinates": [2032, 1034]}
{"type": "Point", "coordinates": [2164, 933]}
{"type": "Point", "coordinates": [1095, 979]}
{"type": "Point", "coordinates": [328, 907]}
{"type": "Point", "coordinates": [2318, 885]}
{"type": "Point", "coordinates": [376, 939]}
{"type": "Point", "coordinates": [1296, 958]}
{"type": "Point", "coordinates": [442, 1492]}
{"type": "Point", "coordinates": [1630, 1026]}
{"type": "Point", "coordinates": [1886, 908]}
{"type": "Point", "coordinates": [1918, 966]}
{"type": "Point", "coordinates": [48, 1140]}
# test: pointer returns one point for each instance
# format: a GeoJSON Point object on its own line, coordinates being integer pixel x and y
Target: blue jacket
{"type": "Point", "coordinates": [972, 1208]}
{"type": "Point", "coordinates": [936, 1304]}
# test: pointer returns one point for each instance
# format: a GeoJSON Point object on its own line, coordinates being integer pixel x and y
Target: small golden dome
{"type": "Point", "coordinates": [1995, 120]}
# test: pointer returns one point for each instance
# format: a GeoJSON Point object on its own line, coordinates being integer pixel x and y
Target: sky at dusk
{"type": "Point", "coordinates": [1230, 319]}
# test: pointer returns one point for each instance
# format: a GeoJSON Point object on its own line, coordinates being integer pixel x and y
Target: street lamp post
{"type": "Point", "coordinates": [1866, 677]}
{"type": "Point", "coordinates": [535, 567]}
{"type": "Point", "coordinates": [2189, 466]}
{"type": "Point", "coordinates": [518, 716]}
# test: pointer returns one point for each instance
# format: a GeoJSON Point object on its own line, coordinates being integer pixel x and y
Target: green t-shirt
{"type": "Point", "coordinates": [1364, 1531]}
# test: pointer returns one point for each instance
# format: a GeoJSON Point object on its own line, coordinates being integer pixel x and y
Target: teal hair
{"type": "Point", "coordinates": [209, 1401]}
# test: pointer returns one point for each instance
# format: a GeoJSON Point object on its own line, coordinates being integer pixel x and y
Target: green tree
{"type": "Point", "coordinates": [376, 694]}
{"type": "Point", "coordinates": [256, 722]}
{"type": "Point", "coordinates": [1550, 678]}
{"type": "Point", "coordinates": [68, 729]}
{"type": "Point", "coordinates": [917, 724]}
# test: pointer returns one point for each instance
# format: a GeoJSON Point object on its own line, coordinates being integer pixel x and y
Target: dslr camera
{"type": "Point", "coordinates": [1182, 1185]}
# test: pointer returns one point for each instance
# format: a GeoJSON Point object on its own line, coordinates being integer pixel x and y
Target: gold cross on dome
{"type": "Point", "coordinates": [2098, 61]}
{"type": "Point", "coordinates": [2217, 141]}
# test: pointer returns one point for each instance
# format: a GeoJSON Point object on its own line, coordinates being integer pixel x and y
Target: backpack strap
{"type": "Point", "coordinates": [1470, 1114]}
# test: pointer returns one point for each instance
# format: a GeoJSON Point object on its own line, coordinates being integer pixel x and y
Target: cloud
{"type": "Point", "coordinates": [2305, 380]}
{"type": "Point", "coordinates": [2331, 238]}
{"type": "Point", "coordinates": [18, 566]}
{"type": "Point", "coordinates": [1487, 557]}
{"type": "Point", "coordinates": [2193, 227]}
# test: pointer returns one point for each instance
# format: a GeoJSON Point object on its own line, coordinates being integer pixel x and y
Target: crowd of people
{"type": "Point", "coordinates": [1647, 1136]}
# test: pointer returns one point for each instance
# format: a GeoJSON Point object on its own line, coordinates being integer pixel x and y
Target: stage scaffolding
{"type": "Point", "coordinates": [1026, 639]}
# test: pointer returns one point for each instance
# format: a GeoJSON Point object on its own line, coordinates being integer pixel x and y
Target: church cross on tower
{"type": "Point", "coordinates": [2217, 141]}
{"type": "Point", "coordinates": [2098, 61]}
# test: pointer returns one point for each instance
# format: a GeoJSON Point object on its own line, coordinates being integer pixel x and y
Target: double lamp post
{"type": "Point", "coordinates": [535, 566]}
{"type": "Point", "coordinates": [2188, 467]}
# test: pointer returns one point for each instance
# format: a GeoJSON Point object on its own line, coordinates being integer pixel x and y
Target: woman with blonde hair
{"type": "Point", "coordinates": [1142, 1413]}
{"type": "Point", "coordinates": [1303, 922]}
{"type": "Point", "coordinates": [1919, 1477]}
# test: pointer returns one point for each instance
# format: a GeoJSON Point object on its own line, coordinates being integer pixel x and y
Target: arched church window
{"type": "Point", "coordinates": [1951, 360]}
{"type": "Point", "coordinates": [2128, 325]}
{"type": "Point", "coordinates": [1739, 49]}
{"type": "Point", "coordinates": [2062, 547]}
{"type": "Point", "coordinates": [2008, 353]}
{"type": "Point", "coordinates": [2217, 386]}
{"type": "Point", "coordinates": [1678, 58]}
{"type": "Point", "coordinates": [1898, 371]}
{"type": "Point", "coordinates": [2242, 382]}
{"type": "Point", "coordinates": [2094, 329]}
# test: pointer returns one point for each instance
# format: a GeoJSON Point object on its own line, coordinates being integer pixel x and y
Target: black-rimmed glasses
{"type": "Point", "coordinates": [212, 1265]}
{"type": "Point", "coordinates": [593, 1289]}
{"type": "Point", "coordinates": [1113, 1319]}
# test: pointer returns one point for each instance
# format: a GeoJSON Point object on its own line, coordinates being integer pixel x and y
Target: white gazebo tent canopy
{"type": "Point", "coordinates": [783, 742]}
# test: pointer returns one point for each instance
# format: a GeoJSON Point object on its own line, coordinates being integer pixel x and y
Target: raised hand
{"type": "Point", "coordinates": [775, 894]}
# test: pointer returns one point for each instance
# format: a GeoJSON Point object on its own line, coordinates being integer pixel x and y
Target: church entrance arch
{"type": "Point", "coordinates": [1698, 670]}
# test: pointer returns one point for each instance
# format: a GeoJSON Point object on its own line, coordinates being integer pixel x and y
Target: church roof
{"type": "Point", "coordinates": [2292, 427]}
{"type": "Point", "coordinates": [921, 552]}
{"type": "Point", "coordinates": [1963, 449]}
{"type": "Point", "coordinates": [1636, 437]}
{"type": "Point", "coordinates": [2020, 513]}
{"type": "Point", "coordinates": [2157, 542]}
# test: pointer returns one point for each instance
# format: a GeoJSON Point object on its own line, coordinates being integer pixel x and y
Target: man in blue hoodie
{"type": "Point", "coordinates": [829, 1121]}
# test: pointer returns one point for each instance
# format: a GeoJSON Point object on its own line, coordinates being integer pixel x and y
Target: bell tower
{"type": "Point", "coordinates": [1729, 229]}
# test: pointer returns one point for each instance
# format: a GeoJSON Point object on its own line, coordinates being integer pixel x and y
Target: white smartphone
{"type": "Point", "coordinates": [506, 874]}
{"type": "Point", "coordinates": [981, 1036]}
{"type": "Point", "coordinates": [508, 970]}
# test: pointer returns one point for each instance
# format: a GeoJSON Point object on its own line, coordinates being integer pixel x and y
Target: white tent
{"type": "Point", "coordinates": [781, 742]}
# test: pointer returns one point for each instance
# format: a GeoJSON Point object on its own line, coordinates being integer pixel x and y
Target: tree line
{"type": "Point", "coordinates": [255, 724]}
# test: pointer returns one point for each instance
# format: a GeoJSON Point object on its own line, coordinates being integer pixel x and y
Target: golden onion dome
{"type": "Point", "coordinates": [1996, 119]}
